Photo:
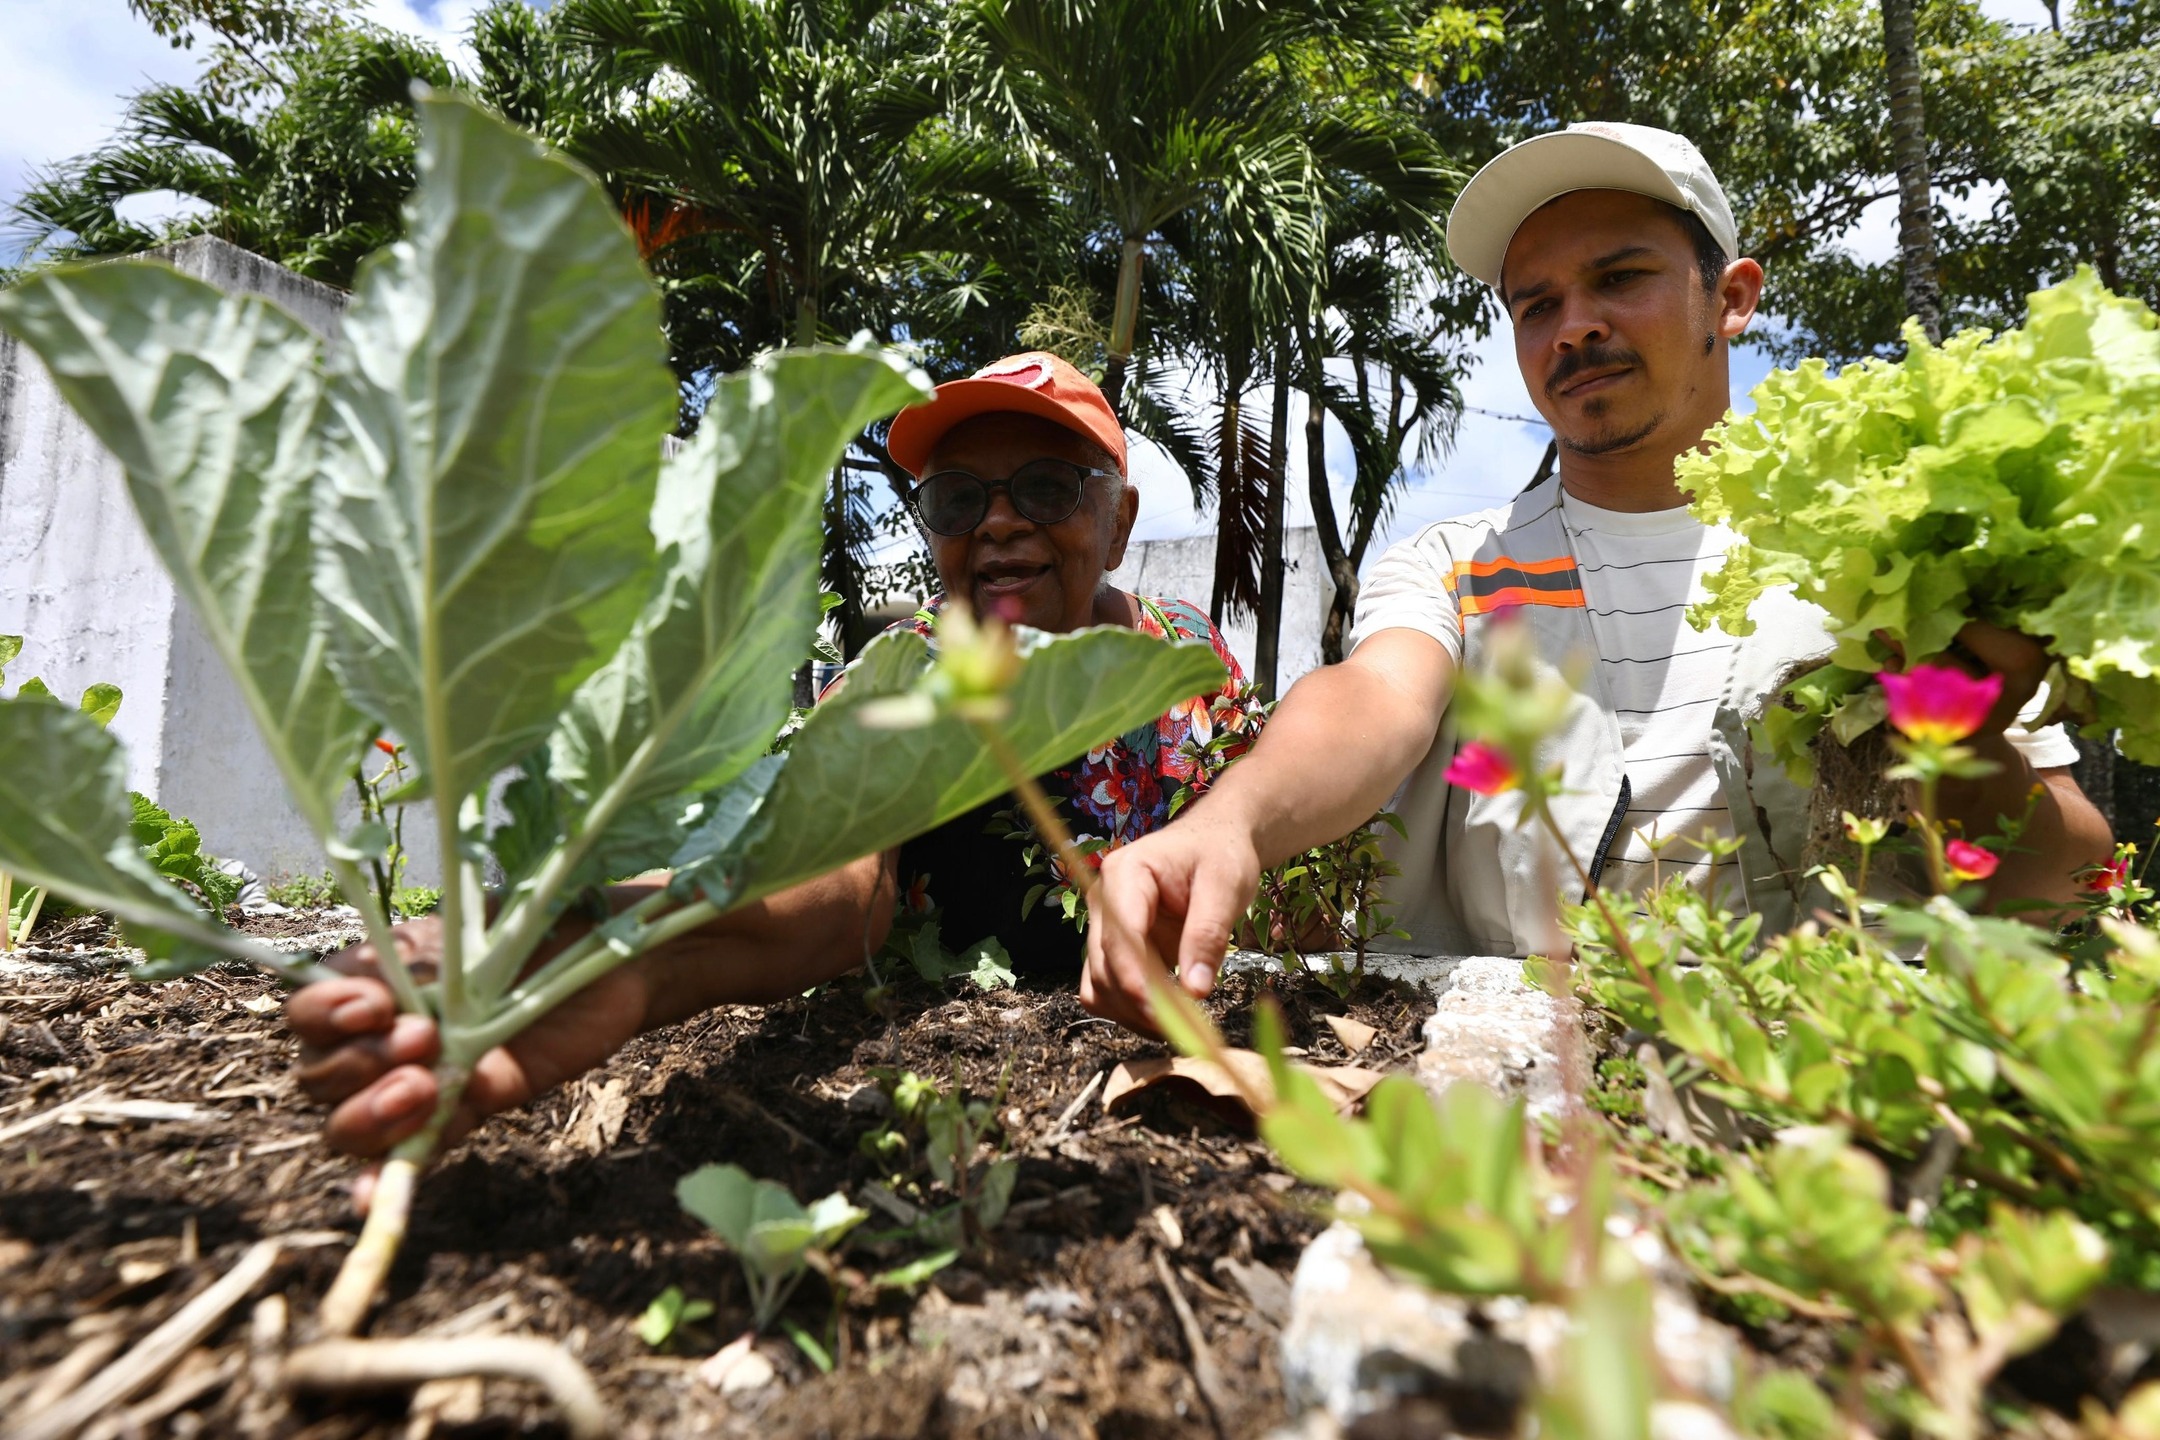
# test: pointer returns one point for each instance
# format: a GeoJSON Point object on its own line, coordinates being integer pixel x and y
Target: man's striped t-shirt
{"type": "Point", "coordinates": [1640, 572]}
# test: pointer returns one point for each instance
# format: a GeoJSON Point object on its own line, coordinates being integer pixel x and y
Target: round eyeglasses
{"type": "Point", "coordinates": [954, 502]}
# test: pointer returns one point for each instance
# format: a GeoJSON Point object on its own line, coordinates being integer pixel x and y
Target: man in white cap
{"type": "Point", "coordinates": [1613, 251]}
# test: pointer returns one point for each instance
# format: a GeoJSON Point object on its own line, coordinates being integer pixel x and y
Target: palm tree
{"type": "Point", "coordinates": [789, 170]}
{"type": "Point", "coordinates": [1151, 108]}
{"type": "Point", "coordinates": [1908, 143]}
{"type": "Point", "coordinates": [791, 150]}
{"type": "Point", "coordinates": [313, 181]}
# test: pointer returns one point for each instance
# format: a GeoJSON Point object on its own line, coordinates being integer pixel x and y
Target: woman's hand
{"type": "Point", "coordinates": [375, 1065]}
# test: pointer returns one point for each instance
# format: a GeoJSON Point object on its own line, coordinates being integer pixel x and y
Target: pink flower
{"type": "Point", "coordinates": [1478, 766]}
{"type": "Point", "coordinates": [1968, 861]}
{"type": "Point", "coordinates": [1937, 704]}
{"type": "Point", "coordinates": [2102, 879]}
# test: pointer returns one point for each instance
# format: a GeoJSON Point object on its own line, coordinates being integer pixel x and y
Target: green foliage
{"type": "Point", "coordinates": [776, 1239]}
{"type": "Point", "coordinates": [668, 1313]}
{"type": "Point", "coordinates": [304, 892]}
{"type": "Point", "coordinates": [2000, 479]}
{"type": "Point", "coordinates": [935, 1136]}
{"type": "Point", "coordinates": [916, 940]}
{"type": "Point", "coordinates": [173, 848]}
{"type": "Point", "coordinates": [2040, 143]}
{"type": "Point", "coordinates": [1330, 900]}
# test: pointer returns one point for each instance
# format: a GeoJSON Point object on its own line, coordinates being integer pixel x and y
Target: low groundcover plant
{"type": "Point", "coordinates": [454, 526]}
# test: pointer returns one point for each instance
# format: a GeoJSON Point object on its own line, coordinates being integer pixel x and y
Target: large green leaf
{"type": "Point", "coordinates": [498, 406]}
{"type": "Point", "coordinates": [208, 399]}
{"type": "Point", "coordinates": [703, 681]}
{"type": "Point", "coordinates": [65, 823]}
{"type": "Point", "coordinates": [848, 790]}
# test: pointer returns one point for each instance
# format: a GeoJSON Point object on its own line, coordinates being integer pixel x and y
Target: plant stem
{"type": "Point", "coordinates": [366, 1266]}
{"type": "Point", "coordinates": [1041, 813]}
{"type": "Point", "coordinates": [388, 958]}
{"type": "Point", "coordinates": [592, 956]}
{"type": "Point", "coordinates": [7, 902]}
{"type": "Point", "coordinates": [1931, 838]}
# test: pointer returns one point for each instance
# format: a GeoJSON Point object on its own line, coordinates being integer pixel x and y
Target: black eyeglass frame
{"type": "Point", "coordinates": [987, 488]}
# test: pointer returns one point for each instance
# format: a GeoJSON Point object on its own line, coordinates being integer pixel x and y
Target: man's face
{"type": "Point", "coordinates": [1026, 573]}
{"type": "Point", "coordinates": [1613, 329]}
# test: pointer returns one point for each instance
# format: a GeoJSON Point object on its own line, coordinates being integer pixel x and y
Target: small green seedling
{"type": "Point", "coordinates": [776, 1239]}
{"type": "Point", "coordinates": [951, 1130]}
{"type": "Point", "coordinates": [668, 1313]}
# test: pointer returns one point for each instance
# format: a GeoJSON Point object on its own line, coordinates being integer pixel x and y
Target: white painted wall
{"type": "Point", "coordinates": [1185, 570]}
{"type": "Point", "coordinates": [80, 583]}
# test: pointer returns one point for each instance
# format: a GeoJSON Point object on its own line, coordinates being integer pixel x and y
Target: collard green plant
{"type": "Point", "coordinates": [776, 1237]}
{"type": "Point", "coordinates": [2010, 479]}
{"type": "Point", "coordinates": [455, 526]}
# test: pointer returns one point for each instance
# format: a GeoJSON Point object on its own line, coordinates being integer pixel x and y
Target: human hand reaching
{"type": "Point", "coordinates": [1174, 897]}
{"type": "Point", "coordinates": [376, 1065]}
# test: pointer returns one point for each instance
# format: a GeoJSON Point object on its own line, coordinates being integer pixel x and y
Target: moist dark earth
{"type": "Point", "coordinates": [561, 1220]}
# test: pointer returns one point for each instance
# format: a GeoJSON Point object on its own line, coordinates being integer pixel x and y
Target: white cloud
{"type": "Point", "coordinates": [150, 208]}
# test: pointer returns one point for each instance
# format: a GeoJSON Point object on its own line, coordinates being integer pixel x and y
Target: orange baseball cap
{"type": "Point", "coordinates": [1033, 383]}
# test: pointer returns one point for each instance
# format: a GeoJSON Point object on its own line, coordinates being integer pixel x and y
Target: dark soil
{"type": "Point", "coordinates": [561, 1221]}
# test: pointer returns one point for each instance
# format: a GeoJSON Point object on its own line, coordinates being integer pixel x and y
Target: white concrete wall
{"type": "Point", "coordinates": [82, 586]}
{"type": "Point", "coordinates": [1185, 570]}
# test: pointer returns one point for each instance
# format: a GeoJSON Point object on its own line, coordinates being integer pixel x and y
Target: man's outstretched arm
{"type": "Point", "coordinates": [1333, 752]}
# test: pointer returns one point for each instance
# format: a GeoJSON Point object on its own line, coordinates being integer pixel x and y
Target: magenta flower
{"type": "Point", "coordinates": [1969, 861]}
{"type": "Point", "coordinates": [1481, 767]}
{"type": "Point", "coordinates": [1937, 704]}
{"type": "Point", "coordinates": [2104, 879]}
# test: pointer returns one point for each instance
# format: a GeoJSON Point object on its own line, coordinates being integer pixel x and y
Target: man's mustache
{"type": "Point", "coordinates": [1595, 357]}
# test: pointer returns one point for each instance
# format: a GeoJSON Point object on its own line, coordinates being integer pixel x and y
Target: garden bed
{"type": "Point", "coordinates": [561, 1220]}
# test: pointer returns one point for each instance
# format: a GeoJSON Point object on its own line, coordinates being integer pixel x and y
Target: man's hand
{"type": "Point", "coordinates": [376, 1065]}
{"type": "Point", "coordinates": [2021, 661]}
{"type": "Point", "coordinates": [1177, 894]}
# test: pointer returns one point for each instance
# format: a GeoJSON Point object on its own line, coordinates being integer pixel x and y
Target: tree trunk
{"type": "Point", "coordinates": [1268, 645]}
{"type": "Point", "coordinates": [1331, 541]}
{"type": "Point", "coordinates": [1908, 144]}
{"type": "Point", "coordinates": [1124, 324]}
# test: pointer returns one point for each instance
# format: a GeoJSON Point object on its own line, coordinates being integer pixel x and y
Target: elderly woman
{"type": "Point", "coordinates": [1022, 490]}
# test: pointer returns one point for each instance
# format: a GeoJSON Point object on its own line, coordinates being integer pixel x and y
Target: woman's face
{"type": "Point", "coordinates": [1025, 573]}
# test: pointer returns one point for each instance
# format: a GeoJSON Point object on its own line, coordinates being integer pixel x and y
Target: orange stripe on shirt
{"type": "Point", "coordinates": [1520, 595]}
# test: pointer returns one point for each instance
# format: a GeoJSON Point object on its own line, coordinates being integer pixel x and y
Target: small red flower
{"type": "Point", "coordinates": [1480, 767]}
{"type": "Point", "coordinates": [1938, 704]}
{"type": "Point", "coordinates": [1969, 861]}
{"type": "Point", "coordinates": [387, 747]}
{"type": "Point", "coordinates": [2103, 879]}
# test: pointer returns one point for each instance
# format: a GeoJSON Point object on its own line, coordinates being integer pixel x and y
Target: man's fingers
{"type": "Point", "coordinates": [336, 1072]}
{"type": "Point", "coordinates": [394, 1108]}
{"type": "Point", "coordinates": [1219, 898]}
{"type": "Point", "coordinates": [330, 1012]}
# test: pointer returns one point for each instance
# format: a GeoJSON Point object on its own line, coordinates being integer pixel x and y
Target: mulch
{"type": "Point", "coordinates": [561, 1220]}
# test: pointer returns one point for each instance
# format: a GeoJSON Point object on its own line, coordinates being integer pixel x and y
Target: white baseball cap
{"type": "Point", "coordinates": [1595, 155]}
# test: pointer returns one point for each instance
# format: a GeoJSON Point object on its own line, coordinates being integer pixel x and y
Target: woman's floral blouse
{"type": "Point", "coordinates": [984, 874]}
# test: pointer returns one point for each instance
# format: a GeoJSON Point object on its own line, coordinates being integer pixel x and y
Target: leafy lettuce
{"type": "Point", "coordinates": [2012, 478]}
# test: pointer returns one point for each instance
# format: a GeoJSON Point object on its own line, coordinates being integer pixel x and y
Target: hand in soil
{"type": "Point", "coordinates": [374, 1064]}
{"type": "Point", "coordinates": [1177, 893]}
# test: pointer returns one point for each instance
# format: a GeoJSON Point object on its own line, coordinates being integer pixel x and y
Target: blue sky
{"type": "Point", "coordinates": [69, 65]}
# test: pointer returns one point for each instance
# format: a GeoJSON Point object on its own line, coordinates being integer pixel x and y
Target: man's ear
{"type": "Point", "coordinates": [1122, 519]}
{"type": "Point", "coordinates": [1739, 294]}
